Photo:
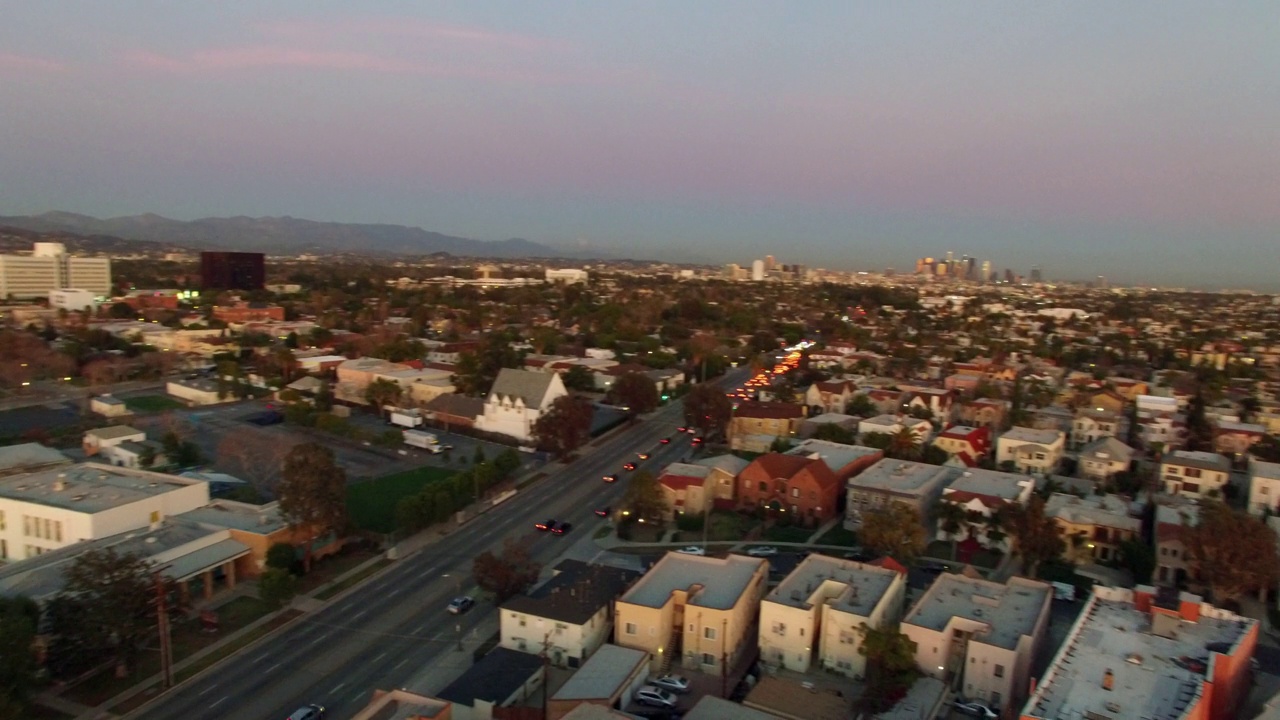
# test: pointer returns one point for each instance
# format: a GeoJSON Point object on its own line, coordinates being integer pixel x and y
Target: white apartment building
{"type": "Point", "coordinates": [517, 400]}
{"type": "Point", "coordinates": [981, 637]}
{"type": "Point", "coordinates": [72, 300]}
{"type": "Point", "coordinates": [1194, 474]}
{"type": "Point", "coordinates": [892, 424]}
{"type": "Point", "coordinates": [814, 615]}
{"type": "Point", "coordinates": [52, 508]}
{"type": "Point", "coordinates": [48, 268]}
{"type": "Point", "coordinates": [1264, 487]}
{"type": "Point", "coordinates": [1031, 450]}
{"type": "Point", "coordinates": [569, 617]}
{"type": "Point", "coordinates": [566, 275]}
{"type": "Point", "coordinates": [1092, 424]}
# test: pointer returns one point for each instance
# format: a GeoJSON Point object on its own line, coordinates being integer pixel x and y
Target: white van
{"type": "Point", "coordinates": [1064, 591]}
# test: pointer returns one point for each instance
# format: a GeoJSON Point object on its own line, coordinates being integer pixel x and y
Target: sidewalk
{"type": "Point", "coordinates": [451, 662]}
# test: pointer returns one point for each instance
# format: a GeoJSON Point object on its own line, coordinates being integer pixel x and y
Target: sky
{"type": "Point", "coordinates": [1136, 140]}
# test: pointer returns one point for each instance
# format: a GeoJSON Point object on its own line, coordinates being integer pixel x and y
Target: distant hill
{"type": "Point", "coordinates": [279, 235]}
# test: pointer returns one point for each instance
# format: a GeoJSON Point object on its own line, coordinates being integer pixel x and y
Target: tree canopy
{"type": "Point", "coordinates": [1233, 552]}
{"type": "Point", "coordinates": [707, 408]}
{"type": "Point", "coordinates": [644, 497]}
{"type": "Point", "coordinates": [1035, 534]}
{"type": "Point", "coordinates": [507, 574]}
{"type": "Point", "coordinates": [636, 392]}
{"type": "Point", "coordinates": [19, 618]}
{"type": "Point", "coordinates": [894, 530]}
{"type": "Point", "coordinates": [564, 427]}
{"type": "Point", "coordinates": [313, 492]}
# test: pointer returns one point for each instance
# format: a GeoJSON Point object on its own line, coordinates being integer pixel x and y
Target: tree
{"type": "Point", "coordinates": [780, 445]}
{"type": "Point", "coordinates": [312, 493]}
{"type": "Point", "coordinates": [860, 405]}
{"type": "Point", "coordinates": [877, 440]}
{"type": "Point", "coordinates": [1139, 558]}
{"type": "Point", "coordinates": [832, 432]}
{"type": "Point", "coordinates": [1035, 534]}
{"type": "Point", "coordinates": [382, 393]}
{"type": "Point", "coordinates": [19, 618]}
{"type": "Point", "coordinates": [324, 397]}
{"type": "Point", "coordinates": [277, 586]}
{"type": "Point", "coordinates": [951, 520]}
{"type": "Point", "coordinates": [121, 311]}
{"type": "Point", "coordinates": [564, 427]}
{"type": "Point", "coordinates": [181, 453]}
{"type": "Point", "coordinates": [114, 594]}
{"type": "Point", "coordinates": [891, 666]}
{"type": "Point", "coordinates": [635, 392]}
{"type": "Point", "coordinates": [282, 555]}
{"type": "Point", "coordinates": [934, 455]}
{"type": "Point", "coordinates": [644, 497]}
{"type": "Point", "coordinates": [508, 574]}
{"type": "Point", "coordinates": [507, 462]}
{"type": "Point", "coordinates": [1232, 551]}
{"type": "Point", "coordinates": [894, 530]}
{"type": "Point", "coordinates": [579, 378]}
{"type": "Point", "coordinates": [253, 456]}
{"type": "Point", "coordinates": [904, 444]}
{"type": "Point", "coordinates": [707, 408]}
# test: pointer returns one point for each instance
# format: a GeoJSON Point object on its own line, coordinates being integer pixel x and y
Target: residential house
{"type": "Point", "coordinates": [568, 617]}
{"type": "Point", "coordinates": [1104, 400]}
{"type": "Point", "coordinates": [135, 454]}
{"type": "Point", "coordinates": [756, 425]}
{"type": "Point", "coordinates": [1031, 450]}
{"type": "Point", "coordinates": [1101, 459]}
{"type": "Point", "coordinates": [984, 412]}
{"type": "Point", "coordinates": [1093, 423]}
{"type": "Point", "coordinates": [502, 678]}
{"type": "Point", "coordinates": [830, 396]}
{"type": "Point", "coordinates": [1148, 653]}
{"type": "Point", "coordinates": [452, 410]}
{"type": "Point", "coordinates": [1264, 487]}
{"type": "Point", "coordinates": [968, 443]}
{"type": "Point", "coordinates": [886, 402]}
{"type": "Point", "coordinates": [937, 402]}
{"type": "Point", "coordinates": [965, 382]}
{"type": "Point", "coordinates": [801, 488]}
{"type": "Point", "coordinates": [811, 425]}
{"type": "Point", "coordinates": [1052, 417]}
{"type": "Point", "coordinates": [452, 352]}
{"type": "Point", "coordinates": [843, 460]}
{"type": "Point", "coordinates": [981, 494]}
{"type": "Point", "coordinates": [1194, 474]}
{"type": "Point", "coordinates": [1172, 522]}
{"type": "Point", "coordinates": [1093, 527]}
{"type": "Point", "coordinates": [695, 489]}
{"type": "Point", "coordinates": [695, 611]}
{"type": "Point", "coordinates": [517, 400]}
{"type": "Point", "coordinates": [914, 484]}
{"type": "Point", "coordinates": [99, 439]}
{"type": "Point", "coordinates": [609, 679]}
{"type": "Point", "coordinates": [981, 637]}
{"type": "Point", "coordinates": [812, 618]}
{"type": "Point", "coordinates": [893, 424]}
{"type": "Point", "coordinates": [1234, 439]}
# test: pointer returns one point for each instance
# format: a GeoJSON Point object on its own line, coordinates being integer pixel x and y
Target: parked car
{"type": "Point", "coordinates": [308, 712]}
{"type": "Point", "coordinates": [461, 604]}
{"type": "Point", "coordinates": [977, 709]}
{"type": "Point", "coordinates": [762, 551]}
{"type": "Point", "coordinates": [604, 511]}
{"type": "Point", "coordinates": [562, 528]}
{"type": "Point", "coordinates": [692, 550]}
{"type": "Point", "coordinates": [933, 567]}
{"type": "Point", "coordinates": [650, 695]}
{"type": "Point", "coordinates": [611, 478]}
{"type": "Point", "coordinates": [546, 525]}
{"type": "Point", "coordinates": [674, 683]}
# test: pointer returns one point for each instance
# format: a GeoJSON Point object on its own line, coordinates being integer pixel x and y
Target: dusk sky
{"type": "Point", "coordinates": [1136, 140]}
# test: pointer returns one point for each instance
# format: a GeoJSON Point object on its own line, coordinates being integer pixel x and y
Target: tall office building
{"type": "Point", "coordinates": [757, 270]}
{"type": "Point", "coordinates": [769, 263]}
{"type": "Point", "coordinates": [986, 271]}
{"type": "Point", "coordinates": [1035, 274]}
{"type": "Point", "coordinates": [1008, 275]}
{"type": "Point", "coordinates": [48, 268]}
{"type": "Point", "coordinates": [232, 271]}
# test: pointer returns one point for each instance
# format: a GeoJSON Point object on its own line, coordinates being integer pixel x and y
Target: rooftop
{"type": "Point", "coordinates": [992, 483]}
{"type": "Point", "coordinates": [769, 410]}
{"type": "Point", "coordinates": [89, 487]}
{"type": "Point", "coordinates": [731, 464]}
{"type": "Point", "coordinates": [825, 418]}
{"type": "Point", "coordinates": [836, 455]}
{"type": "Point", "coordinates": [27, 457]}
{"type": "Point", "coordinates": [1257, 469]}
{"type": "Point", "coordinates": [712, 582]}
{"type": "Point", "coordinates": [711, 707]}
{"type": "Point", "coordinates": [923, 696]}
{"type": "Point", "coordinates": [1107, 448]}
{"type": "Point", "coordinates": [114, 432]}
{"type": "Point", "coordinates": [528, 385]}
{"type": "Point", "coordinates": [1108, 510]}
{"type": "Point", "coordinates": [1201, 460]}
{"type": "Point", "coordinates": [575, 594]}
{"type": "Point", "coordinates": [1021, 435]}
{"type": "Point", "coordinates": [603, 674]}
{"type": "Point", "coordinates": [1113, 634]}
{"type": "Point", "coordinates": [903, 477]}
{"type": "Point", "coordinates": [848, 586]}
{"type": "Point", "coordinates": [258, 519]}
{"type": "Point", "coordinates": [1009, 611]}
{"type": "Point", "coordinates": [494, 678]}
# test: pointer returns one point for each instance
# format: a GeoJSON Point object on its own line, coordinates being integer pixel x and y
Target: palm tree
{"type": "Point", "coordinates": [904, 444]}
{"type": "Point", "coordinates": [997, 526]}
{"type": "Point", "coordinates": [951, 519]}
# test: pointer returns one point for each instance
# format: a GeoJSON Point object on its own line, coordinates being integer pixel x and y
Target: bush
{"type": "Point", "coordinates": [282, 556]}
{"type": "Point", "coordinates": [690, 522]}
{"type": "Point", "coordinates": [277, 587]}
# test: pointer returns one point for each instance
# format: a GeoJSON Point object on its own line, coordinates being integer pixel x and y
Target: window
{"type": "Point", "coordinates": [995, 698]}
{"type": "Point", "coordinates": [1261, 491]}
{"type": "Point", "coordinates": [999, 671]}
{"type": "Point", "coordinates": [779, 628]}
{"type": "Point", "coordinates": [708, 659]}
{"type": "Point", "coordinates": [795, 492]}
{"type": "Point", "coordinates": [630, 629]}
{"type": "Point", "coordinates": [763, 487]}
{"type": "Point", "coordinates": [26, 525]}
{"type": "Point", "coordinates": [1191, 487]}
{"type": "Point", "coordinates": [57, 531]}
{"type": "Point", "coordinates": [1191, 472]}
{"type": "Point", "coordinates": [709, 633]}
{"type": "Point", "coordinates": [2, 525]}
{"type": "Point", "coordinates": [155, 516]}
{"type": "Point", "coordinates": [4, 549]}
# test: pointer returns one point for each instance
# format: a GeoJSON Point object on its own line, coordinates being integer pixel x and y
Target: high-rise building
{"type": "Point", "coordinates": [757, 270]}
{"type": "Point", "coordinates": [1035, 274]}
{"type": "Point", "coordinates": [1008, 275]}
{"type": "Point", "coordinates": [48, 268]}
{"type": "Point", "coordinates": [232, 271]}
{"type": "Point", "coordinates": [1102, 282]}
{"type": "Point", "coordinates": [986, 271]}
{"type": "Point", "coordinates": [769, 263]}
{"type": "Point", "coordinates": [950, 257]}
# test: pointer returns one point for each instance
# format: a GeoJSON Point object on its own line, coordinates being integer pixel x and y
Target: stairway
{"type": "Point", "coordinates": [672, 651]}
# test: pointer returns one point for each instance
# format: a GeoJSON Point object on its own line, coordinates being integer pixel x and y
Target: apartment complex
{"type": "Point", "coordinates": [569, 617]}
{"type": "Point", "coordinates": [1093, 527]}
{"type": "Point", "coordinates": [1194, 474]}
{"type": "Point", "coordinates": [980, 637]}
{"type": "Point", "coordinates": [49, 268]}
{"type": "Point", "coordinates": [1144, 653]}
{"type": "Point", "coordinates": [915, 484]}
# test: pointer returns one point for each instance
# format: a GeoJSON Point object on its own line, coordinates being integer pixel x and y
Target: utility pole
{"type": "Point", "coordinates": [162, 622]}
{"type": "Point", "coordinates": [724, 658]}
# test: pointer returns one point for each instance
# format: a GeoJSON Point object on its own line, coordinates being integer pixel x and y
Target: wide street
{"type": "Point", "coordinates": [385, 631]}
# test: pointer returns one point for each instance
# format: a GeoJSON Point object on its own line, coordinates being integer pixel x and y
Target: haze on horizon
{"type": "Point", "coordinates": [1137, 140]}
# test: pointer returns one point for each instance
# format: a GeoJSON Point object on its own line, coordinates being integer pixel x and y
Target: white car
{"type": "Point", "coordinates": [762, 551]}
{"type": "Point", "coordinates": [969, 707]}
{"type": "Point", "coordinates": [651, 695]}
{"type": "Point", "coordinates": [674, 683]}
{"type": "Point", "coordinates": [692, 550]}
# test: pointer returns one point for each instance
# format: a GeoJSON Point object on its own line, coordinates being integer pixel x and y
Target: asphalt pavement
{"type": "Point", "coordinates": [383, 633]}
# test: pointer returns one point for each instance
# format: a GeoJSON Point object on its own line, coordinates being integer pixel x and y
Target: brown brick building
{"type": "Point", "coordinates": [802, 488]}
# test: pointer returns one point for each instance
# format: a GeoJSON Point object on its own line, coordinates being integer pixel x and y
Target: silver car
{"type": "Point", "coordinates": [652, 695]}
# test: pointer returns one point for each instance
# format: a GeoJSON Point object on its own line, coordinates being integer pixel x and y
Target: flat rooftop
{"type": "Point", "coordinates": [837, 456]}
{"type": "Point", "coordinates": [89, 487]}
{"type": "Point", "coordinates": [258, 519]}
{"type": "Point", "coordinates": [1257, 469]}
{"type": "Point", "coordinates": [29, 456]}
{"type": "Point", "coordinates": [1108, 510]}
{"type": "Point", "coordinates": [721, 580]}
{"type": "Point", "coordinates": [603, 675]}
{"type": "Point", "coordinates": [902, 477]}
{"type": "Point", "coordinates": [993, 483]}
{"type": "Point", "coordinates": [1010, 611]}
{"type": "Point", "coordinates": [1113, 634]}
{"type": "Point", "coordinates": [1035, 436]}
{"type": "Point", "coordinates": [853, 587]}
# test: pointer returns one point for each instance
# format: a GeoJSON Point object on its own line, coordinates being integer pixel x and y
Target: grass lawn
{"type": "Point", "coordinates": [791, 534]}
{"type": "Point", "coordinates": [152, 403]}
{"type": "Point", "coordinates": [372, 504]}
{"type": "Point", "coordinates": [727, 526]}
{"type": "Point", "coordinates": [839, 536]}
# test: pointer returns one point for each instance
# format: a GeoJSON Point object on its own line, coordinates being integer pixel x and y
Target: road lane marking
{"type": "Point", "coordinates": [360, 614]}
{"type": "Point", "coordinates": [273, 667]}
{"type": "Point", "coordinates": [339, 687]}
{"type": "Point", "coordinates": [218, 702]}
{"type": "Point", "coordinates": [261, 657]}
{"type": "Point", "coordinates": [208, 689]}
{"type": "Point", "coordinates": [322, 637]}
{"type": "Point", "coordinates": [379, 657]}
{"type": "Point", "coordinates": [400, 664]}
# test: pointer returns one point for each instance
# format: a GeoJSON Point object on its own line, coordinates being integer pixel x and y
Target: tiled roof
{"type": "Point", "coordinates": [769, 410]}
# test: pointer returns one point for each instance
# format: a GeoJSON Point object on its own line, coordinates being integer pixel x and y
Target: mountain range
{"type": "Point", "coordinates": [283, 235]}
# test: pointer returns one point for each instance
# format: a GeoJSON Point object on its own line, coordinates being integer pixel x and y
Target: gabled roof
{"type": "Point", "coordinates": [788, 466]}
{"type": "Point", "coordinates": [679, 476]}
{"type": "Point", "coordinates": [1108, 449]}
{"type": "Point", "coordinates": [769, 410]}
{"type": "Point", "coordinates": [575, 594]}
{"type": "Point", "coordinates": [530, 387]}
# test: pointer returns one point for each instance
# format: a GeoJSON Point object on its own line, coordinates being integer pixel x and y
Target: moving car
{"type": "Point", "coordinates": [977, 709]}
{"type": "Point", "coordinates": [562, 528]}
{"type": "Point", "coordinates": [611, 478]}
{"type": "Point", "coordinates": [692, 550]}
{"type": "Point", "coordinates": [603, 512]}
{"type": "Point", "coordinates": [762, 551]}
{"type": "Point", "coordinates": [461, 604]}
{"type": "Point", "coordinates": [697, 441]}
{"type": "Point", "coordinates": [650, 695]}
{"type": "Point", "coordinates": [672, 683]}
{"type": "Point", "coordinates": [308, 712]}
{"type": "Point", "coordinates": [546, 525]}
{"type": "Point", "coordinates": [682, 429]}
{"type": "Point", "coordinates": [629, 466]}
{"type": "Point", "coordinates": [643, 456]}
{"type": "Point", "coordinates": [665, 441]}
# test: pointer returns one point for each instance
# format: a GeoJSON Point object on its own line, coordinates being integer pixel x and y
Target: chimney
{"type": "Point", "coordinates": [1108, 680]}
{"type": "Point", "coordinates": [61, 483]}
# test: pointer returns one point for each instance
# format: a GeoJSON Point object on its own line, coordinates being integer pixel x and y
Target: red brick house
{"type": "Point", "coordinates": [801, 488]}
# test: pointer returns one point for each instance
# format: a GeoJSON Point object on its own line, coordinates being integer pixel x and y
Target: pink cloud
{"type": "Point", "coordinates": [247, 58]}
{"type": "Point", "coordinates": [29, 63]}
{"type": "Point", "coordinates": [412, 29]}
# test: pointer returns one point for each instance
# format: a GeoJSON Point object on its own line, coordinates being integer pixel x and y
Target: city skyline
{"type": "Point", "coordinates": [1134, 142]}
